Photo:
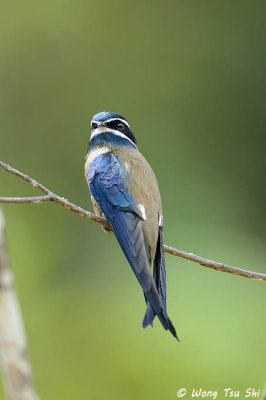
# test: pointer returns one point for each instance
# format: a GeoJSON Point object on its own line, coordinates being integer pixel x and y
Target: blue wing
{"type": "Point", "coordinates": [106, 178]}
{"type": "Point", "coordinates": [108, 185]}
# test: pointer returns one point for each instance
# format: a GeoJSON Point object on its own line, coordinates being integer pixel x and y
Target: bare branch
{"type": "Point", "coordinates": [26, 200]}
{"type": "Point", "coordinates": [50, 196]}
{"type": "Point", "coordinates": [215, 265]}
{"type": "Point", "coordinates": [15, 364]}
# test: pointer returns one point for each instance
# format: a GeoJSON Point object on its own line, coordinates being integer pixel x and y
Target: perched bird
{"type": "Point", "coordinates": [124, 190]}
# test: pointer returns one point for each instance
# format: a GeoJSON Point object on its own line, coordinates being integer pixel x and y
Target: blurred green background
{"type": "Point", "coordinates": [190, 78]}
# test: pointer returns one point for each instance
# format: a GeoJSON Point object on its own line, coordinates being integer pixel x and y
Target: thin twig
{"type": "Point", "coordinates": [50, 196]}
{"type": "Point", "coordinates": [26, 200]}
{"type": "Point", "coordinates": [215, 265]}
{"type": "Point", "coordinates": [15, 365]}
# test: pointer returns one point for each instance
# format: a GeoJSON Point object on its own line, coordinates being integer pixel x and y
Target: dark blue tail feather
{"type": "Point", "coordinates": [159, 276]}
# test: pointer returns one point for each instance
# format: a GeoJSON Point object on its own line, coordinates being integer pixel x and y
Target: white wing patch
{"type": "Point", "coordinates": [160, 220]}
{"type": "Point", "coordinates": [141, 208]}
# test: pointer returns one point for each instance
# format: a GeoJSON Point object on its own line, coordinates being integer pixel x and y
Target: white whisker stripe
{"type": "Point", "coordinates": [104, 129]}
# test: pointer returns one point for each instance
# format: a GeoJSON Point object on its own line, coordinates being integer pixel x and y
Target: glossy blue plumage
{"type": "Point", "coordinates": [124, 190]}
{"type": "Point", "coordinates": [105, 177]}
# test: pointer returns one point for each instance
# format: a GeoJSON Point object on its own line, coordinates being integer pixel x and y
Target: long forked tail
{"type": "Point", "coordinates": [127, 227]}
{"type": "Point", "coordinates": [159, 276]}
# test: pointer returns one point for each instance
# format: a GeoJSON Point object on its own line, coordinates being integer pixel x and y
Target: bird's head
{"type": "Point", "coordinates": [115, 125]}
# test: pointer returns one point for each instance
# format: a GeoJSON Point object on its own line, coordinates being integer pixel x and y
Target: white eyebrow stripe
{"type": "Point", "coordinates": [111, 119]}
{"type": "Point", "coordinates": [103, 129]}
{"type": "Point", "coordinates": [118, 119]}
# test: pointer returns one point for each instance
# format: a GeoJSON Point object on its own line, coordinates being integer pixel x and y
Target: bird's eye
{"type": "Point", "coordinates": [120, 126]}
{"type": "Point", "coordinates": [94, 125]}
